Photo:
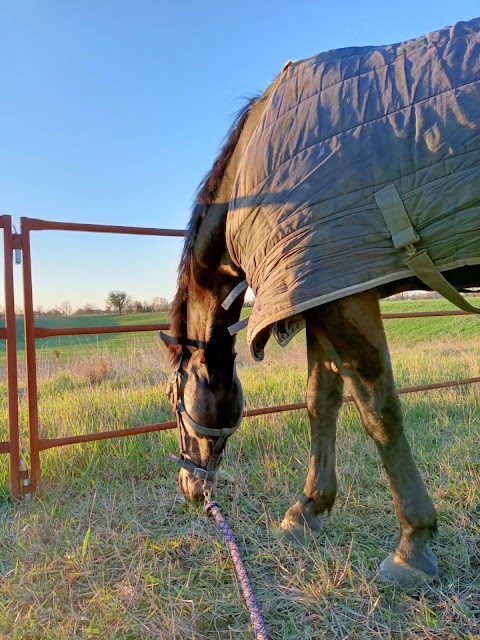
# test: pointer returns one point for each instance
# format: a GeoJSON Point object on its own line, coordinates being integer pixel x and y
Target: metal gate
{"type": "Point", "coordinates": [23, 482]}
{"type": "Point", "coordinates": [11, 446]}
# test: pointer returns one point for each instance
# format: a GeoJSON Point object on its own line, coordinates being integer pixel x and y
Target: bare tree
{"type": "Point", "coordinates": [147, 306]}
{"type": "Point", "coordinates": [65, 308]}
{"type": "Point", "coordinates": [160, 304]}
{"type": "Point", "coordinates": [87, 310]}
{"type": "Point", "coordinates": [137, 306]}
{"type": "Point", "coordinates": [117, 300]}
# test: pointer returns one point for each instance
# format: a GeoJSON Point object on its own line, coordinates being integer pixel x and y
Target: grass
{"type": "Point", "coordinates": [71, 346]}
{"type": "Point", "coordinates": [418, 330]}
{"type": "Point", "coordinates": [112, 551]}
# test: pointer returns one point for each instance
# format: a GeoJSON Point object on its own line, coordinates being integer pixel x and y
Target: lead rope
{"type": "Point", "coordinates": [256, 618]}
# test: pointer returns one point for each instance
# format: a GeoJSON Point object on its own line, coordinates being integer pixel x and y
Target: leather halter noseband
{"type": "Point", "coordinates": [207, 473]}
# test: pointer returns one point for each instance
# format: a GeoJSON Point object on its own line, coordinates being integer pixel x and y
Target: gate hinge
{"type": "Point", "coordinates": [26, 487]}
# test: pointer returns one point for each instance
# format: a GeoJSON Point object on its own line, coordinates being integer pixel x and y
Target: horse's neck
{"type": "Point", "coordinates": [212, 276]}
{"type": "Point", "coordinates": [212, 272]}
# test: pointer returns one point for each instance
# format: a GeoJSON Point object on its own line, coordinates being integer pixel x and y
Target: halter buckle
{"type": "Point", "coordinates": [200, 473]}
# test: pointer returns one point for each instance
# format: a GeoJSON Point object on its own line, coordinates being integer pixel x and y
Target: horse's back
{"type": "Point", "coordinates": [337, 129]}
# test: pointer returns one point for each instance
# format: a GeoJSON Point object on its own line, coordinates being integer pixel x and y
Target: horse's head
{"type": "Point", "coordinates": [208, 401]}
{"type": "Point", "coordinates": [205, 391]}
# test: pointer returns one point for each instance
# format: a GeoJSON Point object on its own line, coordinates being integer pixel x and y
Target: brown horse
{"type": "Point", "coordinates": [345, 344]}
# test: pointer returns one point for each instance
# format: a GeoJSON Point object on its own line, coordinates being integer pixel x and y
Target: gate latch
{"type": "Point", "coordinates": [17, 247]}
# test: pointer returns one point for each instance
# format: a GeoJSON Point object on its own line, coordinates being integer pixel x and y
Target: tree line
{"type": "Point", "coordinates": [120, 302]}
{"type": "Point", "coordinates": [115, 302]}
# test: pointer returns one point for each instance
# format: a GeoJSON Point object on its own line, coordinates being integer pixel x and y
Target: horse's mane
{"type": "Point", "coordinates": [205, 196]}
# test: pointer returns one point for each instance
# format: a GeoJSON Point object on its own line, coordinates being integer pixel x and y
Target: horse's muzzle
{"type": "Point", "coordinates": [193, 488]}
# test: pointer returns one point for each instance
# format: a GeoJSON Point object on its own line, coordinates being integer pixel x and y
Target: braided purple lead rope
{"type": "Point", "coordinates": [256, 618]}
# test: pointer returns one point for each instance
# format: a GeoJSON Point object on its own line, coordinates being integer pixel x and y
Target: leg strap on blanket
{"type": "Point", "coordinates": [404, 236]}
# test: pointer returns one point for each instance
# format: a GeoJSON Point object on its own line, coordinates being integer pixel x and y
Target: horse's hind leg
{"type": "Point", "coordinates": [355, 329]}
{"type": "Point", "coordinates": [324, 398]}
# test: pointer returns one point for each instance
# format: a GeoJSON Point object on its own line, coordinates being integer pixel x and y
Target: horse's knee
{"type": "Point", "coordinates": [325, 406]}
{"type": "Point", "coordinates": [384, 421]}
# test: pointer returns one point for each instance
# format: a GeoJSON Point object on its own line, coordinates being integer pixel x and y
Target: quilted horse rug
{"type": "Point", "coordinates": [363, 160]}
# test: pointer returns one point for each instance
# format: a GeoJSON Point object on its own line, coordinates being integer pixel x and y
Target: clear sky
{"type": "Point", "coordinates": [111, 112]}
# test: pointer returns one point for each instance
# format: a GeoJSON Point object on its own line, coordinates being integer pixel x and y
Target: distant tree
{"type": "Point", "coordinates": [117, 300]}
{"type": "Point", "coordinates": [160, 304]}
{"type": "Point", "coordinates": [87, 310]}
{"type": "Point", "coordinates": [137, 306]}
{"type": "Point", "coordinates": [65, 308]}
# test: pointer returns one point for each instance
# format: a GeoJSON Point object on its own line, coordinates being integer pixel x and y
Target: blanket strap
{"type": "Point", "coordinates": [419, 262]}
{"type": "Point", "coordinates": [234, 293]}
{"type": "Point", "coordinates": [227, 303]}
{"type": "Point", "coordinates": [238, 326]}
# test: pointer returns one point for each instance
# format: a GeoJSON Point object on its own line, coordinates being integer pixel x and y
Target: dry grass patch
{"type": "Point", "coordinates": [112, 550]}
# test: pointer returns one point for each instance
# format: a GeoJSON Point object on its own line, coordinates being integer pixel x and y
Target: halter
{"type": "Point", "coordinates": [207, 474]}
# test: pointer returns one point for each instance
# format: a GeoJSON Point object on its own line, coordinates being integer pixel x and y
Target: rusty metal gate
{"type": "Point", "coordinates": [11, 446]}
{"type": "Point", "coordinates": [23, 482]}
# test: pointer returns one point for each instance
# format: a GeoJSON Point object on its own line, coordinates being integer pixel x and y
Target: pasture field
{"type": "Point", "coordinates": [73, 345]}
{"type": "Point", "coordinates": [112, 551]}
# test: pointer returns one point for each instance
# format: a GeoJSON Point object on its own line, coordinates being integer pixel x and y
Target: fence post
{"type": "Point", "coordinates": [11, 348]}
{"type": "Point", "coordinates": [30, 356]}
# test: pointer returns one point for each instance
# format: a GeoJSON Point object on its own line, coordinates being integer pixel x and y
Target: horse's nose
{"type": "Point", "coordinates": [192, 487]}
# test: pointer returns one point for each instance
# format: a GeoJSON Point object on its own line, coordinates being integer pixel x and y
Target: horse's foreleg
{"type": "Point", "coordinates": [356, 332]}
{"type": "Point", "coordinates": [324, 398]}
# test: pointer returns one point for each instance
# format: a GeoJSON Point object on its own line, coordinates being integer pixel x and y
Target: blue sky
{"type": "Point", "coordinates": [112, 111]}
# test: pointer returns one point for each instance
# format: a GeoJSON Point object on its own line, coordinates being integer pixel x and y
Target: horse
{"type": "Point", "coordinates": [345, 340]}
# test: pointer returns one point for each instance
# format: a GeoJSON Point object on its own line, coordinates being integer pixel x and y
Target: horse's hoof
{"type": "Point", "coordinates": [296, 535]}
{"type": "Point", "coordinates": [299, 528]}
{"type": "Point", "coordinates": [395, 569]}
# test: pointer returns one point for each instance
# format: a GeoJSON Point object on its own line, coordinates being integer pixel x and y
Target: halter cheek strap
{"type": "Point", "coordinates": [207, 473]}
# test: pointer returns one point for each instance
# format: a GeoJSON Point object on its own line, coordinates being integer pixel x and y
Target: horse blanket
{"type": "Point", "coordinates": [305, 223]}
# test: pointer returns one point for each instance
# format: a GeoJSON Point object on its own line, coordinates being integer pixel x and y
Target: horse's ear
{"type": "Point", "coordinates": [174, 347]}
{"type": "Point", "coordinates": [166, 339]}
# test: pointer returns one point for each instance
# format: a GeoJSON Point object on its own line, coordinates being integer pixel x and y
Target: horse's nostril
{"type": "Point", "coordinates": [191, 487]}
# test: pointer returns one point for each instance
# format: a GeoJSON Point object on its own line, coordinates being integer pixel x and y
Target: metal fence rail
{"type": "Point", "coordinates": [32, 333]}
{"type": "Point", "coordinates": [50, 443]}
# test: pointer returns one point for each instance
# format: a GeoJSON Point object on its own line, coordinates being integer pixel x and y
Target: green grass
{"type": "Point", "coordinates": [112, 551]}
{"type": "Point", "coordinates": [415, 330]}
{"type": "Point", "coordinates": [71, 345]}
